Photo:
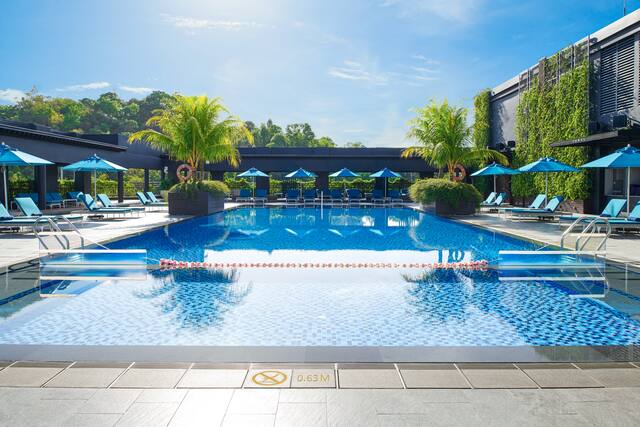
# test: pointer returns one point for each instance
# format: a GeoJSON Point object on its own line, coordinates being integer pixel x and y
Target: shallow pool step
{"type": "Point", "coordinates": [94, 264]}
{"type": "Point", "coordinates": [549, 259]}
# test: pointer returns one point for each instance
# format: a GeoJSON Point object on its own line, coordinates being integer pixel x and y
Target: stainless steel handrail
{"type": "Point", "coordinates": [591, 229]}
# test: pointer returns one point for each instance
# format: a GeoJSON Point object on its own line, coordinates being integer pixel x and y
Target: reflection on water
{"type": "Point", "coordinates": [269, 229]}
{"type": "Point", "coordinates": [197, 298]}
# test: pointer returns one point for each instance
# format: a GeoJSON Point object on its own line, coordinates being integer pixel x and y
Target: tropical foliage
{"type": "Point", "coordinates": [482, 132]}
{"type": "Point", "coordinates": [195, 129]}
{"type": "Point", "coordinates": [215, 188]}
{"type": "Point", "coordinates": [444, 137]}
{"type": "Point", "coordinates": [294, 135]}
{"type": "Point", "coordinates": [455, 194]}
{"type": "Point", "coordinates": [550, 111]}
{"type": "Point", "coordinates": [106, 114]}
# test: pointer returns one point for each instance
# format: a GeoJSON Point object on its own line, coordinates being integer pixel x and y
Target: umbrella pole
{"type": "Point", "coordinates": [95, 184]}
{"type": "Point", "coordinates": [494, 183]}
{"type": "Point", "coordinates": [385, 187]}
{"type": "Point", "coordinates": [546, 187]}
{"type": "Point", "coordinates": [628, 189]}
{"type": "Point", "coordinates": [4, 181]}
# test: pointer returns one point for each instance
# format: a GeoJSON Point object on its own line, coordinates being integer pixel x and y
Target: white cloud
{"type": "Point", "coordinates": [192, 24]}
{"type": "Point", "coordinates": [11, 95]}
{"type": "Point", "coordinates": [138, 90]}
{"type": "Point", "coordinates": [86, 86]}
{"type": "Point", "coordinates": [461, 11]}
{"type": "Point", "coordinates": [429, 61]}
{"type": "Point", "coordinates": [355, 71]}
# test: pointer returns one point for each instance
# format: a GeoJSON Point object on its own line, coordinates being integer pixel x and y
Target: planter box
{"type": "Point", "coordinates": [444, 209]}
{"type": "Point", "coordinates": [199, 203]}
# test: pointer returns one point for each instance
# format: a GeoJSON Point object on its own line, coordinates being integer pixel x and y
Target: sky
{"type": "Point", "coordinates": [353, 69]}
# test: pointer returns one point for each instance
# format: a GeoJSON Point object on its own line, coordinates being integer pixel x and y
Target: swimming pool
{"type": "Point", "coordinates": [323, 307]}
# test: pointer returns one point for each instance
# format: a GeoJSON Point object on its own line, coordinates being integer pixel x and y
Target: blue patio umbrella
{"type": "Point", "coordinates": [13, 157]}
{"type": "Point", "coordinates": [253, 173]}
{"type": "Point", "coordinates": [547, 165]}
{"type": "Point", "coordinates": [495, 170]}
{"type": "Point", "coordinates": [385, 173]}
{"type": "Point", "coordinates": [300, 173]}
{"type": "Point", "coordinates": [94, 164]}
{"type": "Point", "coordinates": [624, 158]}
{"type": "Point", "coordinates": [344, 173]}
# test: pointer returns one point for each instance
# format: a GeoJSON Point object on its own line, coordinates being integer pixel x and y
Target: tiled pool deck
{"type": "Point", "coordinates": [319, 395]}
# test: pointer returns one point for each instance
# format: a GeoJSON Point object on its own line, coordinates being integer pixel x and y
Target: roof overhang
{"type": "Point", "coordinates": [7, 129]}
{"type": "Point", "coordinates": [612, 138]}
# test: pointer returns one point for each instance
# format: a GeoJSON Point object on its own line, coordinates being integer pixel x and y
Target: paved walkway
{"type": "Point", "coordinates": [155, 395]}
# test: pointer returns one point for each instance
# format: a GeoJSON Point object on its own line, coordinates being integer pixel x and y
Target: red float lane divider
{"type": "Point", "coordinates": [170, 264]}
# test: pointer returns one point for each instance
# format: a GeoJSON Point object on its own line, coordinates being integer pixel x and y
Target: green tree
{"type": "Point", "coordinates": [278, 140]}
{"type": "Point", "coordinates": [37, 108]}
{"type": "Point", "coordinates": [324, 141]}
{"type": "Point", "coordinates": [354, 144]}
{"type": "Point", "coordinates": [299, 135]}
{"type": "Point", "coordinates": [196, 129]}
{"type": "Point", "coordinates": [443, 134]}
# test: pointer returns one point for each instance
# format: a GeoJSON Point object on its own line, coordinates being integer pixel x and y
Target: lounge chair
{"type": "Point", "coordinates": [535, 204]}
{"type": "Point", "coordinates": [490, 199]}
{"type": "Point", "coordinates": [72, 196]}
{"type": "Point", "coordinates": [54, 199]}
{"type": "Point", "coordinates": [309, 197]}
{"type": "Point", "coordinates": [632, 221]}
{"type": "Point", "coordinates": [395, 197]}
{"type": "Point", "coordinates": [92, 207]}
{"type": "Point", "coordinates": [612, 210]}
{"type": "Point", "coordinates": [9, 221]}
{"type": "Point", "coordinates": [244, 196]}
{"type": "Point", "coordinates": [151, 196]}
{"type": "Point", "coordinates": [292, 197]}
{"type": "Point", "coordinates": [549, 211]}
{"type": "Point", "coordinates": [261, 196]}
{"type": "Point", "coordinates": [106, 202]}
{"type": "Point", "coordinates": [336, 196]}
{"type": "Point", "coordinates": [354, 196]}
{"type": "Point", "coordinates": [499, 200]}
{"type": "Point", "coordinates": [30, 209]}
{"type": "Point", "coordinates": [377, 197]}
{"type": "Point", "coordinates": [146, 202]}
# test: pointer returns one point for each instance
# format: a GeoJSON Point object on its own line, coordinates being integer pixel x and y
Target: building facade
{"type": "Point", "coordinates": [613, 53]}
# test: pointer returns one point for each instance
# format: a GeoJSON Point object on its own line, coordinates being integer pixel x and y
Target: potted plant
{"type": "Point", "coordinates": [197, 198]}
{"type": "Point", "coordinates": [196, 130]}
{"type": "Point", "coordinates": [445, 197]}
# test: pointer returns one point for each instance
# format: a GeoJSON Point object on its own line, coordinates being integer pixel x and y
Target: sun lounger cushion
{"type": "Point", "coordinates": [490, 199]}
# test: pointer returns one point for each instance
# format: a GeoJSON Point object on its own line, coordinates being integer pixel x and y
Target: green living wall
{"type": "Point", "coordinates": [481, 132]}
{"type": "Point", "coordinates": [553, 111]}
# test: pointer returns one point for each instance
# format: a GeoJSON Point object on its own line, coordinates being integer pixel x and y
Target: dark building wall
{"type": "Point", "coordinates": [503, 118]}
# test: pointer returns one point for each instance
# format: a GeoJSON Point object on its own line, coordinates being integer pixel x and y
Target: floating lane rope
{"type": "Point", "coordinates": [170, 264]}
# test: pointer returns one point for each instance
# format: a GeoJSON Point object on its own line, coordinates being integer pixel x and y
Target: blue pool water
{"type": "Point", "coordinates": [323, 306]}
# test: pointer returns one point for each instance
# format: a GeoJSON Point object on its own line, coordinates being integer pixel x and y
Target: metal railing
{"type": "Point", "coordinates": [588, 232]}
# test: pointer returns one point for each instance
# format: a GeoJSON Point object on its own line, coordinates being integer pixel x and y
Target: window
{"type": "Point", "coordinates": [617, 76]}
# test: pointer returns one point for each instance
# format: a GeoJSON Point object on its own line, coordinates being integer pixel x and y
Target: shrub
{"type": "Point", "coordinates": [215, 188]}
{"type": "Point", "coordinates": [453, 193]}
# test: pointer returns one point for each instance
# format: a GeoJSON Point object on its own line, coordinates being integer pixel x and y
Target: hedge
{"type": "Point", "coordinates": [549, 112]}
{"type": "Point", "coordinates": [453, 193]}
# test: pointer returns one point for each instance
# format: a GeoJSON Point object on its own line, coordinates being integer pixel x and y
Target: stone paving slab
{"type": "Point", "coordinates": [502, 377]}
{"type": "Point", "coordinates": [149, 378]}
{"type": "Point", "coordinates": [27, 376]}
{"type": "Point", "coordinates": [369, 378]}
{"type": "Point", "coordinates": [561, 378]}
{"type": "Point", "coordinates": [213, 378]}
{"type": "Point", "coordinates": [86, 377]}
{"type": "Point", "coordinates": [313, 378]}
{"type": "Point", "coordinates": [268, 377]}
{"type": "Point", "coordinates": [433, 378]}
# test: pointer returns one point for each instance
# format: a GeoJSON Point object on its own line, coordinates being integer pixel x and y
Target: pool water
{"type": "Point", "coordinates": [405, 307]}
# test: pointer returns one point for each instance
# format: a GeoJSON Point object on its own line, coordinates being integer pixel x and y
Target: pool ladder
{"type": "Point", "coordinates": [589, 232]}
{"type": "Point", "coordinates": [86, 260]}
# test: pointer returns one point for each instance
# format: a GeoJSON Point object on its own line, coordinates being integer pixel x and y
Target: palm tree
{"type": "Point", "coordinates": [194, 130]}
{"type": "Point", "coordinates": [443, 134]}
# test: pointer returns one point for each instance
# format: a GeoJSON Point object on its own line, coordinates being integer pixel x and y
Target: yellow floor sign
{"type": "Point", "coordinates": [269, 378]}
